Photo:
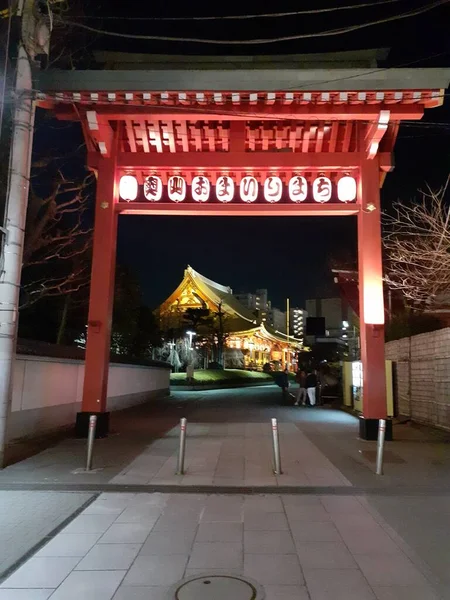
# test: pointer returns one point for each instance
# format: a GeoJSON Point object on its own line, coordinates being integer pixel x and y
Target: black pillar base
{"type": "Point", "coordinates": [82, 424]}
{"type": "Point", "coordinates": [368, 429]}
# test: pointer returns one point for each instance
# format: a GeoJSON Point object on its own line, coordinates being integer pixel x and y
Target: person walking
{"type": "Point", "coordinates": [300, 378]}
{"type": "Point", "coordinates": [311, 385]}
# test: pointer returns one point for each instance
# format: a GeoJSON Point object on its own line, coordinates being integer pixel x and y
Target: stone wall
{"type": "Point", "coordinates": [422, 366]}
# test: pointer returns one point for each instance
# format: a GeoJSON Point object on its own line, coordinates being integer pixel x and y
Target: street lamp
{"type": "Point", "coordinates": [191, 335]}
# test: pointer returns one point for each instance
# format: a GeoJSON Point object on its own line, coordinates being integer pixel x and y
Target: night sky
{"type": "Point", "coordinates": [289, 256]}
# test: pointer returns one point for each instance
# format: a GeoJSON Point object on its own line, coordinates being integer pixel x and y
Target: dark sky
{"type": "Point", "coordinates": [289, 256]}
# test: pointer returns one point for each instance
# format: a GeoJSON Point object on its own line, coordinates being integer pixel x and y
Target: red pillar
{"type": "Point", "coordinates": [371, 300]}
{"type": "Point", "coordinates": [100, 301]}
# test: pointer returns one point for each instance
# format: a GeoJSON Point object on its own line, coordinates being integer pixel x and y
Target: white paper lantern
{"type": "Point", "coordinates": [176, 188]}
{"type": "Point", "coordinates": [200, 188]}
{"type": "Point", "coordinates": [225, 189]}
{"type": "Point", "coordinates": [248, 189]}
{"type": "Point", "coordinates": [346, 189]}
{"type": "Point", "coordinates": [153, 188]}
{"type": "Point", "coordinates": [128, 188]}
{"type": "Point", "coordinates": [273, 189]}
{"type": "Point", "coordinates": [298, 188]}
{"type": "Point", "coordinates": [322, 189]}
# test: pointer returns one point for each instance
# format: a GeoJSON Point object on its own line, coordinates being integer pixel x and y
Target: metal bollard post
{"type": "Point", "coordinates": [182, 449]}
{"type": "Point", "coordinates": [380, 446]}
{"type": "Point", "coordinates": [276, 448]}
{"type": "Point", "coordinates": [90, 442]}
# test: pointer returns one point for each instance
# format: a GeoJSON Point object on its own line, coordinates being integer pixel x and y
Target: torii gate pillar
{"type": "Point", "coordinates": [371, 301]}
{"type": "Point", "coordinates": [100, 302]}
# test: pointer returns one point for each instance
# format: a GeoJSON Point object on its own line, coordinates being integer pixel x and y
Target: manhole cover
{"type": "Point", "coordinates": [216, 587]}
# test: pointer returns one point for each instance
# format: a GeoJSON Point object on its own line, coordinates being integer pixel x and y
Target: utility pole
{"type": "Point", "coordinates": [31, 28]}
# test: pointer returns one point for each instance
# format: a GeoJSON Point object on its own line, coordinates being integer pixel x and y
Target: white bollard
{"type": "Point", "coordinates": [182, 449]}
{"type": "Point", "coordinates": [380, 446]}
{"type": "Point", "coordinates": [90, 441]}
{"type": "Point", "coordinates": [276, 448]}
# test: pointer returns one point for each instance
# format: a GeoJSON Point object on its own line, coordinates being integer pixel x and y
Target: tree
{"type": "Point", "coordinates": [417, 247]}
{"type": "Point", "coordinates": [58, 235]}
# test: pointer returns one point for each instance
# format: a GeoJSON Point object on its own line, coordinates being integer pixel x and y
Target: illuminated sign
{"type": "Point", "coordinates": [322, 189]}
{"type": "Point", "coordinates": [249, 189]}
{"type": "Point", "coordinates": [200, 188]}
{"type": "Point", "coordinates": [176, 188]}
{"type": "Point", "coordinates": [273, 189]}
{"type": "Point", "coordinates": [225, 189]}
{"type": "Point", "coordinates": [346, 189]}
{"type": "Point", "coordinates": [298, 188]}
{"type": "Point", "coordinates": [153, 188]}
{"type": "Point", "coordinates": [128, 188]}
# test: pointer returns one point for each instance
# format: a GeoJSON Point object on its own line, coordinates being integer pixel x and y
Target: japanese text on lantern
{"type": "Point", "coordinates": [200, 188]}
{"type": "Point", "coordinates": [249, 189]}
{"type": "Point", "coordinates": [225, 189]}
{"type": "Point", "coordinates": [176, 188]}
{"type": "Point", "coordinates": [153, 188]}
{"type": "Point", "coordinates": [273, 189]}
{"type": "Point", "coordinates": [322, 189]}
{"type": "Point", "coordinates": [297, 188]}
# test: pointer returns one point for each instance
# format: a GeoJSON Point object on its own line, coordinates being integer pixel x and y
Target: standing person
{"type": "Point", "coordinates": [300, 378]}
{"type": "Point", "coordinates": [284, 383]}
{"type": "Point", "coordinates": [311, 385]}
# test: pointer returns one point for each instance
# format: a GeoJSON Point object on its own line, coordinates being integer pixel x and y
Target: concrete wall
{"type": "Point", "coordinates": [47, 392]}
{"type": "Point", "coordinates": [423, 377]}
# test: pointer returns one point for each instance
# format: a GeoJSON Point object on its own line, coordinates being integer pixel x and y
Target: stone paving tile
{"type": "Point", "coordinates": [109, 556]}
{"type": "Point", "coordinates": [141, 593]}
{"type": "Point", "coordinates": [307, 513]}
{"type": "Point", "coordinates": [273, 569]}
{"type": "Point", "coordinates": [126, 533]}
{"type": "Point", "coordinates": [266, 504]}
{"type": "Point", "coordinates": [325, 555]}
{"type": "Point", "coordinates": [315, 532]}
{"type": "Point", "coordinates": [219, 532]}
{"type": "Point", "coordinates": [25, 594]}
{"type": "Point", "coordinates": [168, 542]}
{"type": "Point", "coordinates": [389, 569]}
{"type": "Point", "coordinates": [26, 518]}
{"type": "Point", "coordinates": [139, 513]}
{"type": "Point", "coordinates": [211, 555]}
{"type": "Point", "coordinates": [286, 592]}
{"type": "Point", "coordinates": [156, 570]}
{"type": "Point", "coordinates": [41, 572]}
{"type": "Point", "coordinates": [403, 592]}
{"type": "Point", "coordinates": [89, 585]}
{"type": "Point", "coordinates": [337, 584]}
{"type": "Point", "coordinates": [69, 544]}
{"type": "Point", "coordinates": [259, 521]}
{"type": "Point", "coordinates": [90, 524]}
{"type": "Point", "coordinates": [268, 542]}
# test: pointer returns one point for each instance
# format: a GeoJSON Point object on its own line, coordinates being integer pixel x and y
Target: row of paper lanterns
{"type": "Point", "coordinates": [248, 188]}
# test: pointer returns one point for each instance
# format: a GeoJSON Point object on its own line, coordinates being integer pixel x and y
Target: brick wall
{"type": "Point", "coordinates": [423, 377]}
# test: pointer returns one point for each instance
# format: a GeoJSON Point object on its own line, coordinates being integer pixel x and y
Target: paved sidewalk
{"type": "Point", "coordinates": [134, 547]}
{"type": "Point", "coordinates": [27, 518]}
{"type": "Point", "coordinates": [229, 449]}
{"type": "Point", "coordinates": [232, 454]}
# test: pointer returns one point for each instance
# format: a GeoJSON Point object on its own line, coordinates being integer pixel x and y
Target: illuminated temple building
{"type": "Point", "coordinates": [247, 336]}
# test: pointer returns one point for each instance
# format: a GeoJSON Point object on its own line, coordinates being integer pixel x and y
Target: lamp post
{"type": "Point", "coordinates": [191, 335]}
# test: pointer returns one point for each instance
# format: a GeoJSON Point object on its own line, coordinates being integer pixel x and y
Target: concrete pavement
{"type": "Point", "coordinates": [229, 450]}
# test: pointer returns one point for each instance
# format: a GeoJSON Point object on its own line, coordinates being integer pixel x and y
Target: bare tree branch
{"type": "Point", "coordinates": [417, 246]}
{"type": "Point", "coordinates": [58, 239]}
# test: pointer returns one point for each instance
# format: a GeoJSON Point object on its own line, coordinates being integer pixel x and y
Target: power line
{"type": "Point", "coordinates": [243, 17]}
{"type": "Point", "coordinates": [330, 32]}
